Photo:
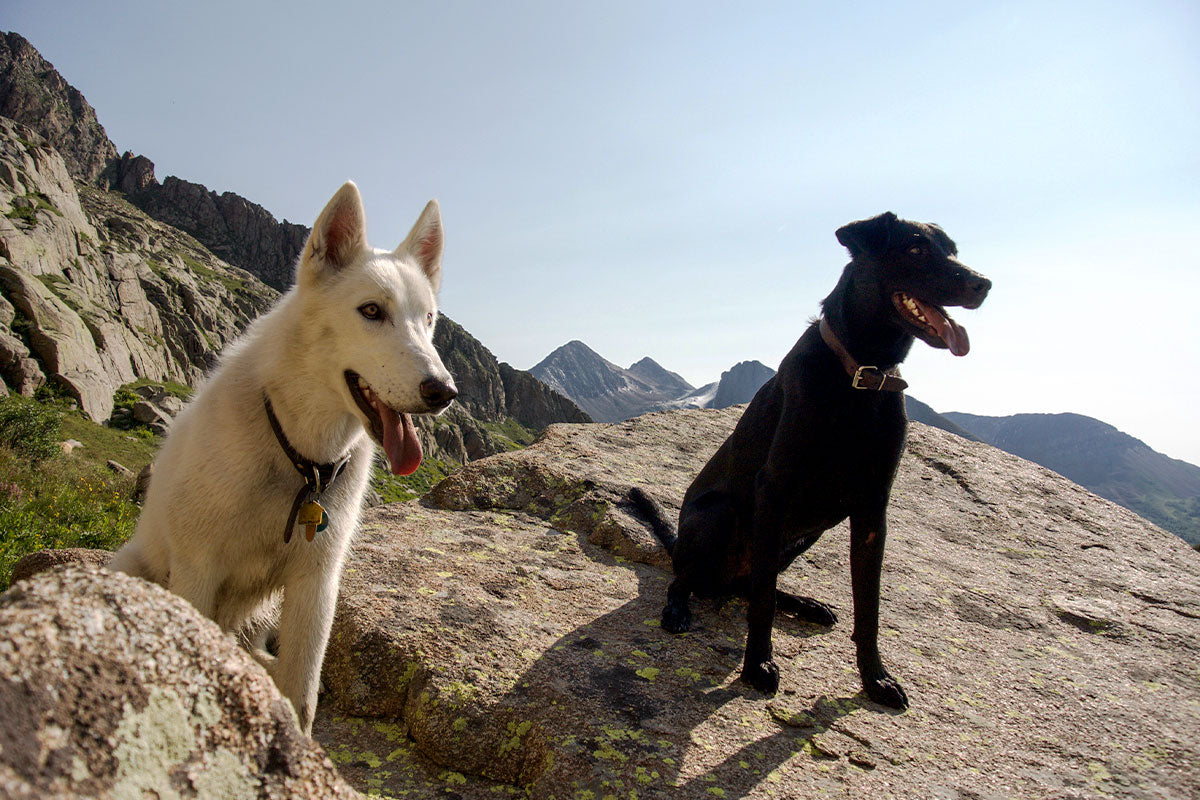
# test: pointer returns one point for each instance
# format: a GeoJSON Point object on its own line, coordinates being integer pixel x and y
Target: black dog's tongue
{"type": "Point", "coordinates": [949, 331]}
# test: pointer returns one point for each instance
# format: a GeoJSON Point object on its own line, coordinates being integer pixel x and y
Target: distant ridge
{"type": "Point", "coordinates": [1104, 460]}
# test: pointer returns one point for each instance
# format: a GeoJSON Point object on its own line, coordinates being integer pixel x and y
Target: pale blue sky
{"type": "Point", "coordinates": [664, 179]}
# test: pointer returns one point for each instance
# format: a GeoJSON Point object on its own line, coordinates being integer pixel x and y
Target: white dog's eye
{"type": "Point", "coordinates": [371, 311]}
{"type": "Point", "coordinates": [429, 318]}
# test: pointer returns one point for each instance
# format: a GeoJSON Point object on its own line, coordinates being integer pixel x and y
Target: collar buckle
{"type": "Point", "coordinates": [866, 377]}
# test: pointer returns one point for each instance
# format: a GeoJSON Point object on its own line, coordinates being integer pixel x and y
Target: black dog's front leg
{"type": "Point", "coordinates": [758, 667]}
{"type": "Point", "coordinates": [867, 535]}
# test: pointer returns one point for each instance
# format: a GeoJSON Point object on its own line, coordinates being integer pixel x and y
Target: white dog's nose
{"type": "Point", "coordinates": [437, 394]}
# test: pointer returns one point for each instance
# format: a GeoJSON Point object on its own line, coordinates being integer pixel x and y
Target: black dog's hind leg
{"type": "Point", "coordinates": [867, 535]}
{"type": "Point", "coordinates": [676, 616]}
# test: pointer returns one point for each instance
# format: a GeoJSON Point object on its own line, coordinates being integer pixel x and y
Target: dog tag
{"type": "Point", "coordinates": [311, 515]}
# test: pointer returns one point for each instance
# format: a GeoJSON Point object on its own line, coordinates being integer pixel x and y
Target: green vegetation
{"type": "Point", "coordinates": [398, 489]}
{"type": "Point", "coordinates": [510, 433]}
{"type": "Point", "coordinates": [52, 500]}
{"type": "Point", "coordinates": [29, 428]}
{"type": "Point", "coordinates": [232, 284]}
{"type": "Point", "coordinates": [28, 213]}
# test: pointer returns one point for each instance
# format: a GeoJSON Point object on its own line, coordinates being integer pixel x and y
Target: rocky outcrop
{"type": "Point", "coordinates": [113, 687]}
{"type": "Point", "coordinates": [33, 93]}
{"type": "Point", "coordinates": [96, 294]}
{"type": "Point", "coordinates": [503, 636]}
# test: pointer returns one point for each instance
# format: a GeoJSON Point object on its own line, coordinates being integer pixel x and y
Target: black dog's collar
{"type": "Point", "coordinates": [862, 377]}
{"type": "Point", "coordinates": [317, 477]}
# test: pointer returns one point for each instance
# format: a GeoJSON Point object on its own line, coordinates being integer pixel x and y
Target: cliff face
{"type": "Point", "coordinates": [96, 294]}
{"type": "Point", "coordinates": [32, 92]}
{"type": "Point", "coordinates": [243, 233]}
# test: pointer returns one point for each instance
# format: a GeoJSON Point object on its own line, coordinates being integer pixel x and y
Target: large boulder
{"type": "Point", "coordinates": [508, 640]}
{"type": "Point", "coordinates": [111, 687]}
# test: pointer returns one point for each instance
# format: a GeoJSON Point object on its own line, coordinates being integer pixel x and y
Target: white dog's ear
{"type": "Point", "coordinates": [339, 234]}
{"type": "Point", "coordinates": [424, 243]}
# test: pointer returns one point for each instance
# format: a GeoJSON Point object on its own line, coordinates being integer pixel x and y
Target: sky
{"type": "Point", "coordinates": [664, 179]}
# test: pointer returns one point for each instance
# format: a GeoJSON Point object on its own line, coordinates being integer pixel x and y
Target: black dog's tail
{"type": "Point", "coordinates": [657, 517]}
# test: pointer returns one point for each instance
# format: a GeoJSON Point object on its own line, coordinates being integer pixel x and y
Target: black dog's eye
{"type": "Point", "coordinates": [916, 250]}
{"type": "Point", "coordinates": [371, 311]}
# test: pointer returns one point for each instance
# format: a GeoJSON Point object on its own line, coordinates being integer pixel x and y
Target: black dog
{"type": "Point", "coordinates": [821, 442]}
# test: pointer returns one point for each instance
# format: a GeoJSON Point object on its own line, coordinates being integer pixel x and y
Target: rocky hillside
{"type": "Point", "coordinates": [502, 638]}
{"type": "Point", "coordinates": [32, 92]}
{"type": "Point", "coordinates": [1101, 458]}
{"type": "Point", "coordinates": [95, 294]}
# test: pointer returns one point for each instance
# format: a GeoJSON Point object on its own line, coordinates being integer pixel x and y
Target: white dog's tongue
{"type": "Point", "coordinates": [400, 441]}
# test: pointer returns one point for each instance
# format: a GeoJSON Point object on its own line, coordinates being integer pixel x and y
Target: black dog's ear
{"type": "Point", "coordinates": [867, 236]}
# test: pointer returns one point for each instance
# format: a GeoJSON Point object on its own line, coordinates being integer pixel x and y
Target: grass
{"type": "Point", "coordinates": [61, 502]}
{"type": "Point", "coordinates": [512, 434]}
{"type": "Point", "coordinates": [52, 500]}
{"type": "Point", "coordinates": [399, 489]}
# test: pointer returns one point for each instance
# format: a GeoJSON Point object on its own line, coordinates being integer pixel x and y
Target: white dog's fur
{"type": "Point", "coordinates": [212, 529]}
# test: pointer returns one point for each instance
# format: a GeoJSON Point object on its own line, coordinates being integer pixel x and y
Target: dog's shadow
{"type": "Point", "coordinates": [658, 709]}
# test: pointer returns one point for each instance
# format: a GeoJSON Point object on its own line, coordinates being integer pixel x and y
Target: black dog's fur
{"type": "Point", "coordinates": [810, 450]}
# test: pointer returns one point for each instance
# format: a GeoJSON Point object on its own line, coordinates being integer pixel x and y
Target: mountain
{"type": "Point", "coordinates": [919, 412]}
{"type": "Point", "coordinates": [608, 393]}
{"type": "Point", "coordinates": [612, 394]}
{"type": "Point", "coordinates": [740, 383]}
{"type": "Point", "coordinates": [659, 377]}
{"type": "Point", "coordinates": [1104, 460]}
{"type": "Point", "coordinates": [108, 277]}
{"type": "Point", "coordinates": [32, 92]}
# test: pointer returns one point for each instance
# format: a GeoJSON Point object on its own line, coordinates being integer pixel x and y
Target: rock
{"type": "Point", "coordinates": [142, 484]}
{"type": "Point", "coordinates": [42, 560]}
{"type": "Point", "coordinates": [169, 405]}
{"type": "Point", "coordinates": [120, 469]}
{"type": "Point", "coordinates": [113, 687]}
{"type": "Point", "coordinates": [146, 413]}
{"type": "Point", "coordinates": [513, 643]}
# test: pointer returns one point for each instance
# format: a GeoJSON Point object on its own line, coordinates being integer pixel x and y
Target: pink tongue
{"type": "Point", "coordinates": [400, 441]}
{"type": "Point", "coordinates": [953, 334]}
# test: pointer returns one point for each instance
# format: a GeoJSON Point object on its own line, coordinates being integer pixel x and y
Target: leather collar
{"type": "Point", "coordinates": [317, 477]}
{"type": "Point", "coordinates": [862, 377]}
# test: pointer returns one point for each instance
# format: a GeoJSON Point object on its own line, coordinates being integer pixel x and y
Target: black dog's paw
{"type": "Point", "coordinates": [676, 618]}
{"type": "Point", "coordinates": [805, 609]}
{"type": "Point", "coordinates": [763, 676]}
{"type": "Point", "coordinates": [887, 691]}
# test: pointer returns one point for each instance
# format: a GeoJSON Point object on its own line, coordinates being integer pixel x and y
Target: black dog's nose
{"type": "Point", "coordinates": [437, 394]}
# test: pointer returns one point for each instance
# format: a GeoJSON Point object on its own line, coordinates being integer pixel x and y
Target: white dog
{"type": "Point", "coordinates": [277, 442]}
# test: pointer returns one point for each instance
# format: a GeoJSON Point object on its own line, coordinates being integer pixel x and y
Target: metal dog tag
{"type": "Point", "coordinates": [311, 515]}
